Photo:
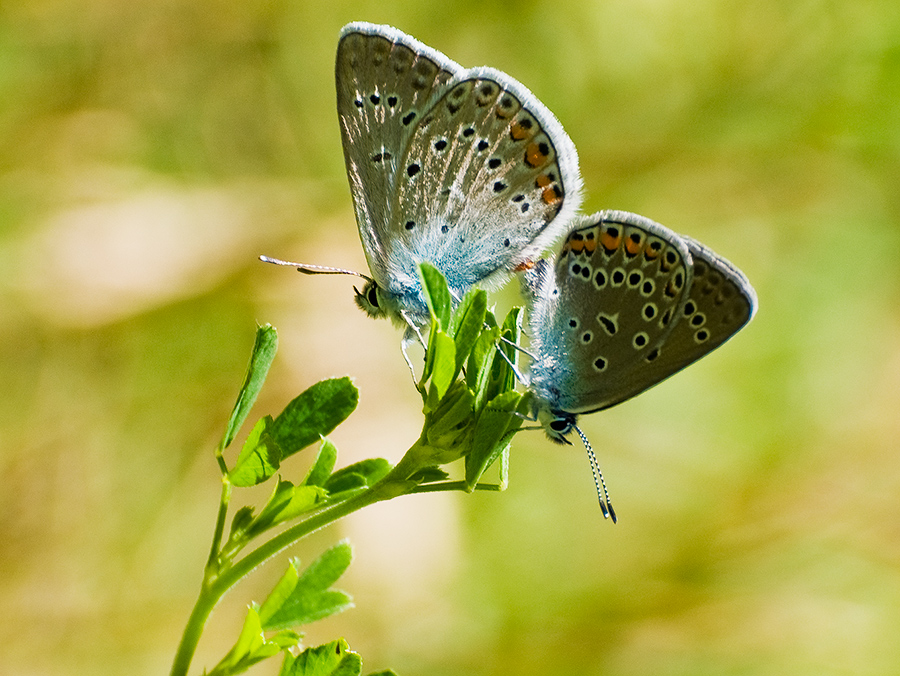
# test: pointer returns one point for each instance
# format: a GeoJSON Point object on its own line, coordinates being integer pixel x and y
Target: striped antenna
{"type": "Point", "coordinates": [602, 493]}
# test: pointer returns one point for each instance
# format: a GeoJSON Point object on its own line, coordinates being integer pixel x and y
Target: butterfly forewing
{"type": "Point", "coordinates": [385, 81]}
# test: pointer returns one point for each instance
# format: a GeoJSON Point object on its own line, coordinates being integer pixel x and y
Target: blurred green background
{"type": "Point", "coordinates": [150, 150]}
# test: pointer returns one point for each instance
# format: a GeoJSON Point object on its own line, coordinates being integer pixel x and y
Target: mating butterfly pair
{"type": "Point", "coordinates": [466, 169]}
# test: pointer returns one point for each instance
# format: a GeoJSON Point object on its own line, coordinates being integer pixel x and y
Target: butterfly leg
{"type": "Point", "coordinates": [409, 337]}
{"type": "Point", "coordinates": [511, 363]}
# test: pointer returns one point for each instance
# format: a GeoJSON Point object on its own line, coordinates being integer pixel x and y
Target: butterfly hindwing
{"type": "Point", "coordinates": [620, 283]}
{"type": "Point", "coordinates": [720, 302]}
{"type": "Point", "coordinates": [630, 304]}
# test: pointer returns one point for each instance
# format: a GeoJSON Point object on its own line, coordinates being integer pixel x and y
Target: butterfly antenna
{"type": "Point", "coordinates": [308, 269]}
{"type": "Point", "coordinates": [602, 494]}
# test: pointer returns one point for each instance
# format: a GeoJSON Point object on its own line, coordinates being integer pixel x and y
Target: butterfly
{"type": "Point", "coordinates": [626, 304]}
{"type": "Point", "coordinates": [463, 168]}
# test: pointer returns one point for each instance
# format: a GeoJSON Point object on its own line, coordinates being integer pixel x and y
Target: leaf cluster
{"type": "Point", "coordinates": [471, 411]}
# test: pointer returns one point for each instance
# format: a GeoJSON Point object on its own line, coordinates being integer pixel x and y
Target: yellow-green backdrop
{"type": "Point", "coordinates": [150, 150]}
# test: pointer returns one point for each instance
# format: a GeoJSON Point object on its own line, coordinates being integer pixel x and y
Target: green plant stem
{"type": "Point", "coordinates": [216, 583]}
{"type": "Point", "coordinates": [212, 564]}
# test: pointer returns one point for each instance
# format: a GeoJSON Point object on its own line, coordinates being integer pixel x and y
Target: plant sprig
{"type": "Point", "coordinates": [471, 411]}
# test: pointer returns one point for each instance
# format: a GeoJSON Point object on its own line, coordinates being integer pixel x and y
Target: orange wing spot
{"type": "Point", "coordinates": [542, 181]}
{"type": "Point", "coordinates": [550, 195]}
{"type": "Point", "coordinates": [517, 131]}
{"type": "Point", "coordinates": [609, 242]}
{"type": "Point", "coordinates": [633, 248]}
{"type": "Point", "coordinates": [534, 157]}
{"type": "Point", "coordinates": [590, 245]}
{"type": "Point", "coordinates": [525, 265]}
{"type": "Point", "coordinates": [650, 253]}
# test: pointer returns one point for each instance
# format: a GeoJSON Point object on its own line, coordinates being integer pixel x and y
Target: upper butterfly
{"type": "Point", "coordinates": [465, 169]}
{"type": "Point", "coordinates": [626, 304]}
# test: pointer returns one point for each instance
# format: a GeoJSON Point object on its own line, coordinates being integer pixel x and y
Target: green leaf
{"type": "Point", "coordinates": [369, 471]}
{"type": "Point", "coordinates": [286, 502]}
{"type": "Point", "coordinates": [314, 414]}
{"type": "Point", "coordinates": [493, 433]}
{"type": "Point", "coordinates": [467, 324]}
{"type": "Point", "coordinates": [264, 350]}
{"type": "Point", "coordinates": [447, 426]}
{"type": "Point", "coordinates": [260, 456]}
{"type": "Point", "coordinates": [478, 370]}
{"type": "Point", "coordinates": [347, 481]}
{"type": "Point", "coordinates": [437, 295]}
{"type": "Point", "coordinates": [442, 359]}
{"type": "Point", "coordinates": [428, 475]}
{"type": "Point", "coordinates": [502, 377]}
{"type": "Point", "coordinates": [386, 672]}
{"type": "Point", "coordinates": [252, 646]}
{"type": "Point", "coordinates": [323, 466]}
{"type": "Point", "coordinates": [303, 598]}
{"type": "Point", "coordinates": [330, 659]}
{"type": "Point", "coordinates": [241, 521]}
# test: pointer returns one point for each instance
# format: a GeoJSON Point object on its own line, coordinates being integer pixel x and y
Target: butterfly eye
{"type": "Point", "coordinates": [372, 295]}
{"type": "Point", "coordinates": [559, 425]}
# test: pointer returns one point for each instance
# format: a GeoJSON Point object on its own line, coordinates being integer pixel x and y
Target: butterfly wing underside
{"type": "Point", "coordinates": [715, 302]}
{"type": "Point", "coordinates": [619, 285]}
{"type": "Point", "coordinates": [463, 168]}
{"type": "Point", "coordinates": [720, 302]}
{"type": "Point", "coordinates": [385, 81]}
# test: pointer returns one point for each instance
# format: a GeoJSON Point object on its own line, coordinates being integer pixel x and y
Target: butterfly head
{"type": "Point", "coordinates": [557, 424]}
{"type": "Point", "coordinates": [373, 300]}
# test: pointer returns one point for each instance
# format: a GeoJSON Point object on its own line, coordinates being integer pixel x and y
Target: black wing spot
{"type": "Point", "coordinates": [410, 225]}
{"type": "Point", "coordinates": [413, 169]}
{"type": "Point", "coordinates": [409, 117]}
{"type": "Point", "coordinates": [608, 325]}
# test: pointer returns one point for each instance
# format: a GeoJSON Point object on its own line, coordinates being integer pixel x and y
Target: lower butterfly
{"type": "Point", "coordinates": [626, 304]}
